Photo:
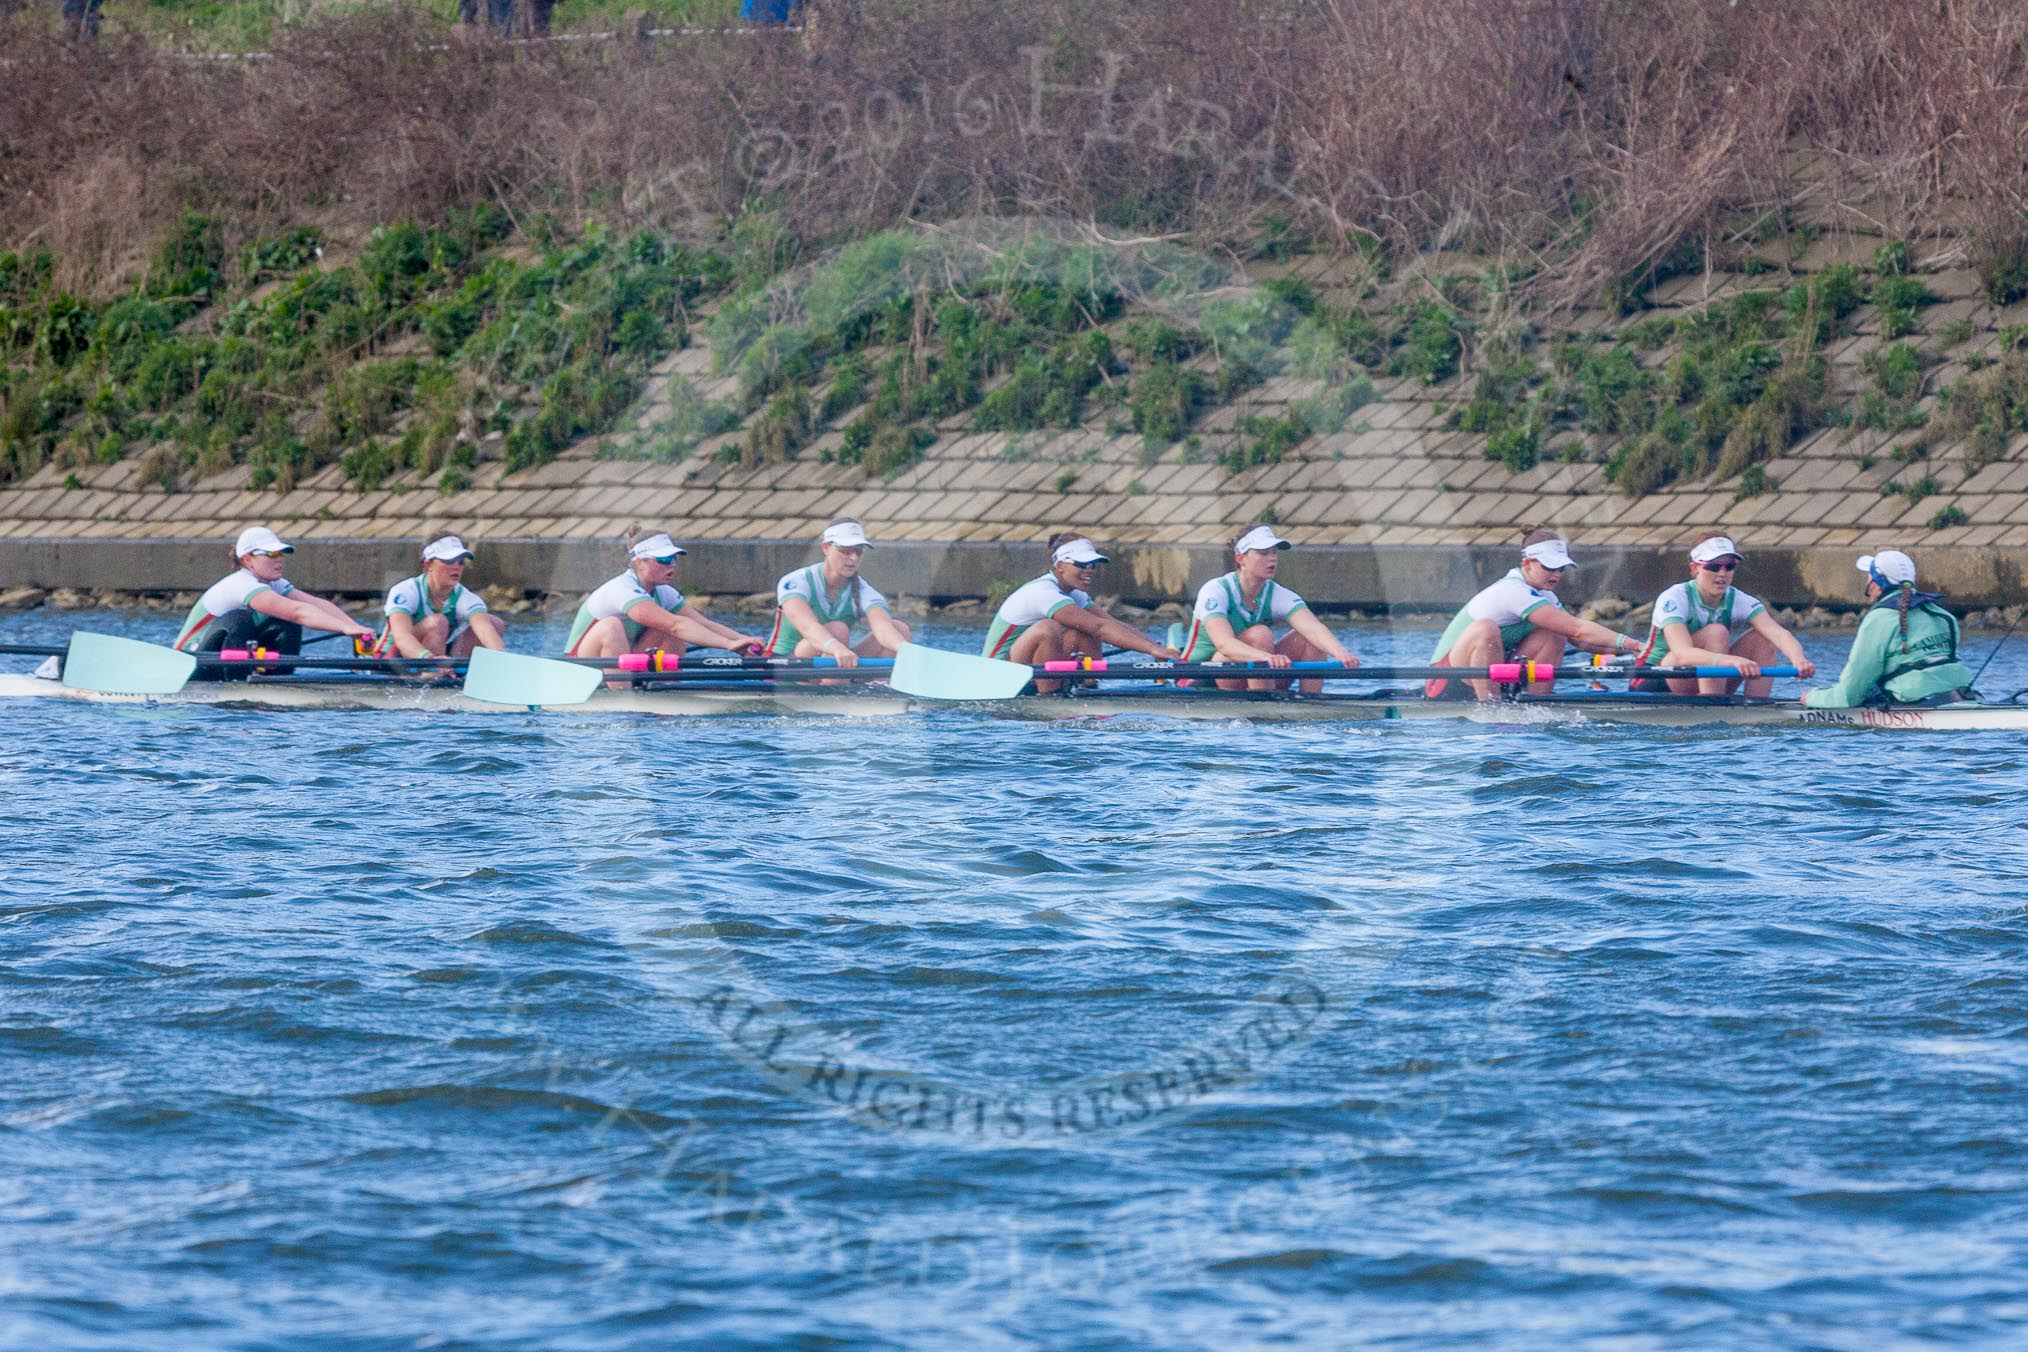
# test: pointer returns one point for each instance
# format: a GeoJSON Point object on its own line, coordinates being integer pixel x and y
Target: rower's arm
{"type": "Point", "coordinates": [1683, 653]}
{"type": "Point", "coordinates": [1103, 627]}
{"type": "Point", "coordinates": [804, 616]}
{"type": "Point", "coordinates": [716, 634]}
{"type": "Point", "coordinates": [1306, 623]}
{"type": "Point", "coordinates": [1786, 643]}
{"type": "Point", "coordinates": [881, 625]}
{"type": "Point", "coordinates": [1584, 634]}
{"type": "Point", "coordinates": [1857, 682]}
{"type": "Point", "coordinates": [1227, 643]}
{"type": "Point", "coordinates": [401, 633]}
{"type": "Point", "coordinates": [312, 612]}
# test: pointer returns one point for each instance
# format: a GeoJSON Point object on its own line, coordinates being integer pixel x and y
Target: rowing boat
{"type": "Point", "coordinates": [698, 698]}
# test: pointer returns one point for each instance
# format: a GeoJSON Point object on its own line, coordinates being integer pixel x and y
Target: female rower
{"type": "Point", "coordinates": [433, 614]}
{"type": "Point", "coordinates": [255, 606]}
{"type": "Point", "coordinates": [1906, 651]}
{"type": "Point", "coordinates": [1235, 617]}
{"type": "Point", "coordinates": [816, 607]}
{"type": "Point", "coordinates": [1053, 619]}
{"type": "Point", "coordinates": [640, 610]}
{"type": "Point", "coordinates": [1520, 619]}
{"type": "Point", "coordinates": [1694, 624]}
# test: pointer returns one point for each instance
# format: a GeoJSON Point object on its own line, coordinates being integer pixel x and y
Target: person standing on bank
{"type": "Point", "coordinates": [1695, 622]}
{"type": "Point", "coordinates": [817, 607]}
{"type": "Point", "coordinates": [1053, 618]}
{"type": "Point", "coordinates": [640, 610]}
{"type": "Point", "coordinates": [433, 614]}
{"type": "Point", "coordinates": [255, 606]}
{"type": "Point", "coordinates": [1906, 650]}
{"type": "Point", "coordinates": [1235, 616]}
{"type": "Point", "coordinates": [1520, 619]}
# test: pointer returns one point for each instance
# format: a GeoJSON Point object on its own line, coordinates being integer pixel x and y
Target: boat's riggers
{"type": "Point", "coordinates": [657, 660]}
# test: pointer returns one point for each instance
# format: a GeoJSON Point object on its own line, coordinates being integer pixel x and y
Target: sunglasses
{"type": "Point", "coordinates": [1718, 567]}
{"type": "Point", "coordinates": [269, 553]}
{"type": "Point", "coordinates": [667, 560]}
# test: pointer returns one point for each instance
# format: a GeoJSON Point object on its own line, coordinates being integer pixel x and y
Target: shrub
{"type": "Point", "coordinates": [1952, 515]}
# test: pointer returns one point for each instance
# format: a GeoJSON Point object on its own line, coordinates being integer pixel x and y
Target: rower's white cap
{"type": "Point", "coordinates": [447, 550]}
{"type": "Point", "coordinates": [1259, 538]}
{"type": "Point", "coordinates": [656, 547]}
{"type": "Point", "coordinates": [1550, 554]}
{"type": "Point", "coordinates": [1891, 564]}
{"type": "Point", "coordinates": [1717, 547]}
{"type": "Point", "coordinates": [845, 534]}
{"type": "Point", "coordinates": [260, 540]}
{"type": "Point", "coordinates": [1078, 552]}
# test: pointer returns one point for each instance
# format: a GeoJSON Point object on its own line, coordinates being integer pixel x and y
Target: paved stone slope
{"type": "Point", "coordinates": [1396, 476]}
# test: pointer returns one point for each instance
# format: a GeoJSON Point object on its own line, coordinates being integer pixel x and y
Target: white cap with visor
{"type": "Point", "coordinates": [1259, 538]}
{"type": "Point", "coordinates": [450, 549]}
{"type": "Point", "coordinates": [1717, 547]}
{"type": "Point", "coordinates": [1890, 567]}
{"type": "Point", "coordinates": [1550, 554]}
{"type": "Point", "coordinates": [656, 547]}
{"type": "Point", "coordinates": [845, 535]}
{"type": "Point", "coordinates": [260, 540]}
{"type": "Point", "coordinates": [1081, 552]}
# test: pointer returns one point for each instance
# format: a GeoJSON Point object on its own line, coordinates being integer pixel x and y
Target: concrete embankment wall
{"type": "Point", "coordinates": [1351, 577]}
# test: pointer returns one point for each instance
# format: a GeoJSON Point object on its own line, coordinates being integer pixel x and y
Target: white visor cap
{"type": "Point", "coordinates": [1260, 537]}
{"type": "Point", "coordinates": [447, 550]}
{"type": "Point", "coordinates": [1079, 552]}
{"type": "Point", "coordinates": [260, 540]}
{"type": "Point", "coordinates": [845, 535]}
{"type": "Point", "coordinates": [1717, 547]}
{"type": "Point", "coordinates": [1550, 554]}
{"type": "Point", "coordinates": [656, 547]}
{"type": "Point", "coordinates": [1891, 564]}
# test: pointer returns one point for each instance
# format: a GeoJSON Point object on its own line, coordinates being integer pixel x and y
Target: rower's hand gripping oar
{"type": "Point", "coordinates": [932, 673]}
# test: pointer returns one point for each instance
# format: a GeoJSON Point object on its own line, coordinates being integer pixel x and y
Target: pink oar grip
{"type": "Point", "coordinates": [1074, 664]}
{"type": "Point", "coordinates": [633, 662]}
{"type": "Point", "coordinates": [1504, 673]}
{"type": "Point", "coordinates": [235, 655]}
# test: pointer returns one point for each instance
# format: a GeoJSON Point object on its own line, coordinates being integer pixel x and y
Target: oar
{"type": "Point", "coordinates": [124, 666]}
{"type": "Point", "coordinates": [530, 682]}
{"type": "Point", "coordinates": [931, 673]}
{"type": "Point", "coordinates": [1504, 673]}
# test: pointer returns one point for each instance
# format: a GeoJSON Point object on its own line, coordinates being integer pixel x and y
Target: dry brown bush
{"type": "Point", "coordinates": [1594, 134]}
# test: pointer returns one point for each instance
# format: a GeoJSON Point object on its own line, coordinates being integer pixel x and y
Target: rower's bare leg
{"type": "Point", "coordinates": [605, 638]}
{"type": "Point", "coordinates": [482, 631]}
{"type": "Point", "coordinates": [1754, 647]}
{"type": "Point", "coordinates": [1044, 641]}
{"type": "Point", "coordinates": [1479, 646]}
{"type": "Point", "coordinates": [1712, 638]}
{"type": "Point", "coordinates": [1541, 646]}
{"type": "Point", "coordinates": [873, 647]}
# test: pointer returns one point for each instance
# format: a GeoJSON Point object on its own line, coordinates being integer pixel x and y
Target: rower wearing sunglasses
{"type": "Point", "coordinates": [641, 609]}
{"type": "Point", "coordinates": [1708, 622]}
{"type": "Point", "coordinates": [1520, 619]}
{"type": "Point", "coordinates": [254, 606]}
{"type": "Point", "coordinates": [1054, 619]}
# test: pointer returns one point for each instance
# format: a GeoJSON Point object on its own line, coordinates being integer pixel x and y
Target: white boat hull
{"type": "Point", "coordinates": [878, 702]}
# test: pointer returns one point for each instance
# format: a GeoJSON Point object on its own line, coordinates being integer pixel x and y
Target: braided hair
{"type": "Point", "coordinates": [1907, 592]}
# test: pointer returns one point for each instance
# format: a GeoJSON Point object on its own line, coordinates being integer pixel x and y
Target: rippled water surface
{"type": "Point", "coordinates": [373, 1029]}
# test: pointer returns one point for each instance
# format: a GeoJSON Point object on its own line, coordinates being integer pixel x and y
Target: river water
{"type": "Point", "coordinates": [387, 1030]}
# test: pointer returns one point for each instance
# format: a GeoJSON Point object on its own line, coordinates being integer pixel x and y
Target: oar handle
{"type": "Point", "coordinates": [658, 661]}
{"type": "Point", "coordinates": [30, 650]}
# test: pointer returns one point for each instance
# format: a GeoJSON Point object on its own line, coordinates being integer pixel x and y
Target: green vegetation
{"type": "Point", "coordinates": [394, 362]}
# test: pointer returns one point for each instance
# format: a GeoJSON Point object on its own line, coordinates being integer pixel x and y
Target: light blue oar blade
{"type": "Point", "coordinates": [1175, 634]}
{"type": "Point", "coordinates": [511, 678]}
{"type": "Point", "coordinates": [932, 673]}
{"type": "Point", "coordinates": [124, 666]}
